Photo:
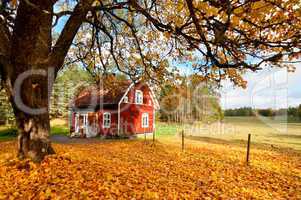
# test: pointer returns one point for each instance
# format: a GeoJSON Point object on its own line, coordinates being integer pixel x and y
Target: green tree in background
{"type": "Point", "coordinates": [6, 112]}
{"type": "Point", "coordinates": [66, 87]}
{"type": "Point", "coordinates": [189, 99]}
{"type": "Point", "coordinates": [299, 111]}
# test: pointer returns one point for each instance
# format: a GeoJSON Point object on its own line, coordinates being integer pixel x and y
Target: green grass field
{"type": "Point", "coordinates": [58, 127]}
{"type": "Point", "coordinates": [235, 130]}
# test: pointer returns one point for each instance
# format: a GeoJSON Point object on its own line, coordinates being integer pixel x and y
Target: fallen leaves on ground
{"type": "Point", "coordinates": [138, 170]}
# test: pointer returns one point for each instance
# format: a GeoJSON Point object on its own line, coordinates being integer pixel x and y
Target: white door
{"type": "Point", "coordinates": [76, 123]}
{"type": "Point", "coordinates": [85, 123]}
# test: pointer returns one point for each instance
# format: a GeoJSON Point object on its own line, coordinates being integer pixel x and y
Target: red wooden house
{"type": "Point", "coordinates": [124, 108]}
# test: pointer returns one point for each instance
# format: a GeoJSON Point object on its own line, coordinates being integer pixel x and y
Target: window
{"type": "Point", "coordinates": [139, 97]}
{"type": "Point", "coordinates": [106, 120]}
{"type": "Point", "coordinates": [145, 120]}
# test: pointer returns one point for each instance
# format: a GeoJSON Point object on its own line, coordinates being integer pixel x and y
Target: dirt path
{"type": "Point", "coordinates": [62, 139]}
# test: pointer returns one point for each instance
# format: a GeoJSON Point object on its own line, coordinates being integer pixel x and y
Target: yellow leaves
{"type": "Point", "coordinates": [150, 195]}
{"type": "Point", "coordinates": [135, 170]}
{"type": "Point", "coordinates": [235, 21]}
{"type": "Point", "coordinates": [239, 11]}
{"type": "Point", "coordinates": [167, 35]}
{"type": "Point", "coordinates": [14, 2]}
{"type": "Point", "coordinates": [206, 8]}
{"type": "Point", "coordinates": [180, 6]}
{"type": "Point", "coordinates": [258, 5]}
{"type": "Point", "coordinates": [47, 193]}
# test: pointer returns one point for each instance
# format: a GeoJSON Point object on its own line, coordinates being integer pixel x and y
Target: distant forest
{"type": "Point", "coordinates": [293, 112]}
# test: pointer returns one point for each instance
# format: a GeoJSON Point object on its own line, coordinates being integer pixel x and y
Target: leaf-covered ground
{"type": "Point", "coordinates": [138, 170]}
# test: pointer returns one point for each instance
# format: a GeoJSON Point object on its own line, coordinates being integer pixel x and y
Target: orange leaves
{"type": "Point", "coordinates": [206, 8]}
{"type": "Point", "coordinates": [14, 2]}
{"type": "Point", "coordinates": [235, 21]}
{"type": "Point", "coordinates": [135, 170]}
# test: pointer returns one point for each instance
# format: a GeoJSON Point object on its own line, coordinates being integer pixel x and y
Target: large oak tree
{"type": "Point", "coordinates": [219, 38]}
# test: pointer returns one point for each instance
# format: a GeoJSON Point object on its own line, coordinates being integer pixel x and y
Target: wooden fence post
{"type": "Point", "coordinates": [182, 140]}
{"type": "Point", "coordinates": [248, 148]}
{"type": "Point", "coordinates": [154, 135]}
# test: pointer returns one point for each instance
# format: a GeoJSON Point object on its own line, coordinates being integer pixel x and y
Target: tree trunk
{"type": "Point", "coordinates": [33, 140]}
{"type": "Point", "coordinates": [33, 125]}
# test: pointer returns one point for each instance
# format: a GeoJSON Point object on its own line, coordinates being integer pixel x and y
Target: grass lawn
{"type": "Point", "coordinates": [7, 133]}
{"type": "Point", "coordinates": [58, 127]}
{"type": "Point", "coordinates": [235, 130]}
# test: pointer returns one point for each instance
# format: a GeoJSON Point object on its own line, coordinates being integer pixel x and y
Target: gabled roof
{"type": "Point", "coordinates": [106, 95]}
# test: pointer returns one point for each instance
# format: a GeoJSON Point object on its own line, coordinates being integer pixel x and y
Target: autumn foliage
{"type": "Point", "coordinates": [134, 169]}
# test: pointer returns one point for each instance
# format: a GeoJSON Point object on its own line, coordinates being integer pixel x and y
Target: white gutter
{"type": "Point", "coordinates": [126, 92]}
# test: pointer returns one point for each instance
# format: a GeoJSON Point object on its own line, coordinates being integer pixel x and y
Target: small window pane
{"type": "Point", "coordinates": [139, 97]}
{"type": "Point", "coordinates": [145, 120]}
{"type": "Point", "coordinates": [106, 120]}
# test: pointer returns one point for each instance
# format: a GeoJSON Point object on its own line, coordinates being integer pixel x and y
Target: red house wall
{"type": "Point", "coordinates": [130, 115]}
{"type": "Point", "coordinates": [131, 118]}
{"type": "Point", "coordinates": [113, 130]}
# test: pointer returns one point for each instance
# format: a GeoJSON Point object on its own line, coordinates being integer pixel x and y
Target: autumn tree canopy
{"type": "Point", "coordinates": [220, 38]}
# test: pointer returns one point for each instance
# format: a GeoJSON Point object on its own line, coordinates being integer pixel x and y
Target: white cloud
{"type": "Point", "coordinates": [269, 88]}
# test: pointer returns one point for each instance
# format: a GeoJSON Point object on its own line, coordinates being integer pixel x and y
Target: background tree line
{"type": "Point", "coordinates": [292, 112]}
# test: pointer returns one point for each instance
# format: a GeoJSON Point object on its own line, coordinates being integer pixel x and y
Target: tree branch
{"type": "Point", "coordinates": [60, 49]}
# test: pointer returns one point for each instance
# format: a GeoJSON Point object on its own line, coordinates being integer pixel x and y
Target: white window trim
{"type": "Point", "coordinates": [145, 115]}
{"type": "Point", "coordinates": [136, 97]}
{"type": "Point", "coordinates": [103, 120]}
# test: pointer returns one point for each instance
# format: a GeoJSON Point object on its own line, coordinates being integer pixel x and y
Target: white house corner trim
{"type": "Point", "coordinates": [122, 98]}
{"type": "Point", "coordinates": [153, 96]}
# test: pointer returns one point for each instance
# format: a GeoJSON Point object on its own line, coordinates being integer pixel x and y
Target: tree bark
{"type": "Point", "coordinates": [33, 140]}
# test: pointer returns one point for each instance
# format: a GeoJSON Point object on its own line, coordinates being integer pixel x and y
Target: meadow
{"type": "Point", "coordinates": [265, 132]}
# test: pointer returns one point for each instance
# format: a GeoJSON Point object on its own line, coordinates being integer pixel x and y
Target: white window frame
{"type": "Point", "coordinates": [106, 122]}
{"type": "Point", "coordinates": [139, 97]}
{"type": "Point", "coordinates": [145, 120]}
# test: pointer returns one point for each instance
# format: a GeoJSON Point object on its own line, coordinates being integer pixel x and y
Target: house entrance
{"type": "Point", "coordinates": [81, 123]}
